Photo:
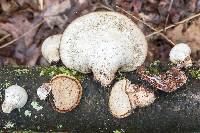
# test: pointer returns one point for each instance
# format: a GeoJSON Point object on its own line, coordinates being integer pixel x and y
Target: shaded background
{"type": "Point", "coordinates": [19, 17]}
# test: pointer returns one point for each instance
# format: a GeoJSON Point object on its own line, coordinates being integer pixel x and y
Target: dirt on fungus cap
{"type": "Point", "coordinates": [66, 93]}
{"type": "Point", "coordinates": [103, 42]}
{"type": "Point", "coordinates": [125, 97]}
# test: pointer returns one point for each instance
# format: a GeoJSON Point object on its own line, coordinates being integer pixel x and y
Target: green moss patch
{"type": "Point", "coordinates": [154, 68]}
{"type": "Point", "coordinates": [54, 70]}
{"type": "Point", "coordinates": [195, 73]}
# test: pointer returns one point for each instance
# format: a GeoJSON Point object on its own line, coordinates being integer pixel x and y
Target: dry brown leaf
{"type": "Point", "coordinates": [191, 35]}
{"type": "Point", "coordinates": [48, 3]}
{"type": "Point", "coordinates": [18, 25]}
{"type": "Point", "coordinates": [32, 55]}
{"type": "Point", "coordinates": [52, 14]}
{"type": "Point", "coordinates": [8, 6]}
{"type": "Point", "coordinates": [9, 61]}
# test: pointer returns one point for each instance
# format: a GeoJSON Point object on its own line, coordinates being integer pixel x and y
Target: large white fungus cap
{"type": "Point", "coordinates": [15, 97]}
{"type": "Point", "coordinates": [180, 53]}
{"type": "Point", "coordinates": [103, 42]}
{"type": "Point", "coordinates": [125, 97]}
{"type": "Point", "coordinates": [50, 48]}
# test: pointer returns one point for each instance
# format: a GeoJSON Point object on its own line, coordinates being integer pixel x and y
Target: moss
{"type": "Point", "coordinates": [24, 132]}
{"type": "Point", "coordinates": [154, 68]}
{"type": "Point", "coordinates": [27, 113]}
{"type": "Point", "coordinates": [5, 84]}
{"type": "Point", "coordinates": [54, 70]}
{"type": "Point", "coordinates": [9, 125]}
{"type": "Point", "coordinates": [59, 126]}
{"type": "Point", "coordinates": [120, 76]}
{"type": "Point", "coordinates": [1, 97]}
{"type": "Point", "coordinates": [19, 72]}
{"type": "Point", "coordinates": [116, 131]}
{"type": "Point", "coordinates": [36, 106]}
{"type": "Point", "coordinates": [195, 73]}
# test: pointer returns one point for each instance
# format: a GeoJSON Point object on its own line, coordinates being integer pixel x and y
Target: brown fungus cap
{"type": "Point", "coordinates": [66, 93]}
{"type": "Point", "coordinates": [169, 81]}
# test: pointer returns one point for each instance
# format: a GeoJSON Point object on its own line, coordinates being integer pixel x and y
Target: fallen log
{"type": "Point", "coordinates": [171, 112]}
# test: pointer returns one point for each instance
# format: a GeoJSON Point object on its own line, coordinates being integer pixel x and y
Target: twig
{"type": "Point", "coordinates": [6, 36]}
{"type": "Point", "coordinates": [9, 43]}
{"type": "Point", "coordinates": [100, 5]}
{"type": "Point", "coordinates": [152, 28]}
{"type": "Point", "coordinates": [41, 3]}
{"type": "Point", "coordinates": [169, 9]}
{"type": "Point", "coordinates": [174, 25]}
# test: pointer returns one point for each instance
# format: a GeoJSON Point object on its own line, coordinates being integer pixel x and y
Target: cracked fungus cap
{"type": "Point", "coordinates": [125, 97]}
{"type": "Point", "coordinates": [66, 93]}
{"type": "Point", "coordinates": [103, 42]}
{"type": "Point", "coordinates": [119, 102]}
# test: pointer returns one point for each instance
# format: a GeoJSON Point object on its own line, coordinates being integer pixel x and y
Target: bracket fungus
{"type": "Point", "coordinates": [50, 48]}
{"type": "Point", "coordinates": [180, 55]}
{"type": "Point", "coordinates": [169, 81]}
{"type": "Point", "coordinates": [102, 42]}
{"type": "Point", "coordinates": [66, 93]}
{"type": "Point", "coordinates": [15, 97]}
{"type": "Point", "coordinates": [43, 91]}
{"type": "Point", "coordinates": [125, 97]}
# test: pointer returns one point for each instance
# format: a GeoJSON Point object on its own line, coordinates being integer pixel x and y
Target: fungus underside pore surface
{"type": "Point", "coordinates": [92, 113]}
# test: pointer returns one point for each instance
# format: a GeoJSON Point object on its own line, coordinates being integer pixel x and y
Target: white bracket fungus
{"type": "Point", "coordinates": [66, 92]}
{"type": "Point", "coordinates": [101, 42]}
{"type": "Point", "coordinates": [125, 97]}
{"type": "Point", "coordinates": [50, 48]}
{"type": "Point", "coordinates": [15, 97]}
{"type": "Point", "coordinates": [180, 55]}
{"type": "Point", "coordinates": [43, 91]}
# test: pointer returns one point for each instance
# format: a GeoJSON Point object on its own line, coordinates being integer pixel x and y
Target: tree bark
{"type": "Point", "coordinates": [171, 112]}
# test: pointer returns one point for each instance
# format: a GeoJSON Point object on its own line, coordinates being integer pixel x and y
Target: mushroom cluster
{"type": "Point", "coordinates": [102, 43]}
{"type": "Point", "coordinates": [99, 42]}
{"type": "Point", "coordinates": [125, 97]}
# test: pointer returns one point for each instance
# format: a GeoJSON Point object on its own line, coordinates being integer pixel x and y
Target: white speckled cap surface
{"type": "Point", "coordinates": [103, 42]}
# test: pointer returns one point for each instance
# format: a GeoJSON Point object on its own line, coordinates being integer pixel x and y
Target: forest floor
{"type": "Point", "coordinates": [24, 24]}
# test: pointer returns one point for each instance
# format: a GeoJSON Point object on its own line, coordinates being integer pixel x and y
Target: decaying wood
{"type": "Point", "coordinates": [176, 111]}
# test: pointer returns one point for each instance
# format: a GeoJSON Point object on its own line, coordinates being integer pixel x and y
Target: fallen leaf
{"type": "Point", "coordinates": [18, 25]}
{"type": "Point", "coordinates": [190, 35]}
{"type": "Point", "coordinates": [52, 15]}
{"type": "Point", "coordinates": [32, 55]}
{"type": "Point", "coordinates": [134, 5]}
{"type": "Point", "coordinates": [8, 6]}
{"type": "Point", "coordinates": [19, 51]}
